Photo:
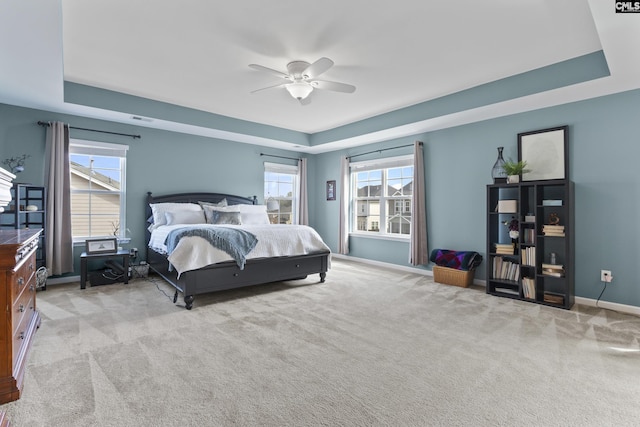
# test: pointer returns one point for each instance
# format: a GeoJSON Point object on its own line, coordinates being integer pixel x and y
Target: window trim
{"type": "Point", "coordinates": [368, 165]}
{"type": "Point", "coordinates": [291, 170]}
{"type": "Point", "coordinates": [105, 149]}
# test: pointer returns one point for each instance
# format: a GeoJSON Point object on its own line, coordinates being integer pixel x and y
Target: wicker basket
{"type": "Point", "coordinates": [41, 278]}
{"type": "Point", "coordinates": [451, 276]}
{"type": "Point", "coordinates": [140, 271]}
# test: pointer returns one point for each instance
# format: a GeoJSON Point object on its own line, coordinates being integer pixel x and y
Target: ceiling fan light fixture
{"type": "Point", "coordinates": [299, 90]}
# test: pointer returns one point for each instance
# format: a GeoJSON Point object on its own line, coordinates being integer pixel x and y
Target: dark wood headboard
{"type": "Point", "coordinates": [192, 198]}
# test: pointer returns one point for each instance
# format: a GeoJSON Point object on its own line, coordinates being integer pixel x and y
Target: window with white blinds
{"type": "Point", "coordinates": [98, 189]}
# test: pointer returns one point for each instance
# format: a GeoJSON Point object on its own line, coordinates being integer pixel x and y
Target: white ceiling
{"type": "Point", "coordinates": [195, 53]}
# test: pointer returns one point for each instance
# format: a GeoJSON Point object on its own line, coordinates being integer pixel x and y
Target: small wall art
{"type": "Point", "coordinates": [331, 190]}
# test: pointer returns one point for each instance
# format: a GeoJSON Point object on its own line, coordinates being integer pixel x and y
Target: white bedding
{"type": "Point", "coordinates": [274, 240]}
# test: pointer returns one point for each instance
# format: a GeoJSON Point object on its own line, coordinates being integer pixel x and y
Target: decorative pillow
{"type": "Point", "coordinates": [220, 204]}
{"type": "Point", "coordinates": [209, 210]}
{"type": "Point", "coordinates": [253, 214]}
{"type": "Point", "coordinates": [159, 211]}
{"type": "Point", "coordinates": [231, 218]}
{"type": "Point", "coordinates": [185, 217]}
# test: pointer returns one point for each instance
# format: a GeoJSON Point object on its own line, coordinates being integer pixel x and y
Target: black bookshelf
{"type": "Point", "coordinates": [544, 214]}
{"type": "Point", "coordinates": [28, 210]}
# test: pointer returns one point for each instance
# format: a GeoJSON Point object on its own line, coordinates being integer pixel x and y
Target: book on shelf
{"type": "Point", "coordinates": [528, 256]}
{"type": "Point", "coordinates": [552, 202]}
{"type": "Point", "coordinates": [553, 230]}
{"type": "Point", "coordinates": [504, 249]}
{"type": "Point", "coordinates": [553, 273]}
{"type": "Point", "coordinates": [553, 226]}
{"type": "Point", "coordinates": [529, 287]}
{"type": "Point", "coordinates": [503, 269]}
{"type": "Point", "coordinates": [508, 291]}
{"type": "Point", "coordinates": [553, 266]}
{"type": "Point", "coordinates": [553, 298]}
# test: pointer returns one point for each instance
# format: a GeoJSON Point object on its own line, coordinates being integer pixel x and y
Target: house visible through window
{"type": "Point", "coordinates": [281, 193]}
{"type": "Point", "coordinates": [381, 196]}
{"type": "Point", "coordinates": [97, 189]}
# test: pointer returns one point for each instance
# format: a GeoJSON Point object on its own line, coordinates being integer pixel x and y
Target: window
{"type": "Point", "coordinates": [281, 193]}
{"type": "Point", "coordinates": [97, 189]}
{"type": "Point", "coordinates": [381, 196]}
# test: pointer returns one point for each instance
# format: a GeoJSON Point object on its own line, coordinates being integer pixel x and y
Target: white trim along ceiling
{"type": "Point", "coordinates": [401, 56]}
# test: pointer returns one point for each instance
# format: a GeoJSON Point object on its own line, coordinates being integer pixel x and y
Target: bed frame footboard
{"type": "Point", "coordinates": [227, 275]}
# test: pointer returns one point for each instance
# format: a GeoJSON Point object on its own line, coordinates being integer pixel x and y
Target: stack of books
{"type": "Point", "coordinates": [504, 248]}
{"type": "Point", "coordinates": [553, 298]}
{"type": "Point", "coordinates": [554, 270]}
{"type": "Point", "coordinates": [553, 230]}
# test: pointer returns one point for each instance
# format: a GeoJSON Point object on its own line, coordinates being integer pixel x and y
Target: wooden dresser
{"type": "Point", "coordinates": [18, 295]}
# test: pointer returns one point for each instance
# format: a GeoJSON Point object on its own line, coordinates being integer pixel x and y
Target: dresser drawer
{"type": "Point", "coordinates": [24, 274]}
{"type": "Point", "coordinates": [24, 305]}
{"type": "Point", "coordinates": [21, 329]}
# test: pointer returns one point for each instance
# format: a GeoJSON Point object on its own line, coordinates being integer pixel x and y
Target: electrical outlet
{"type": "Point", "coordinates": [605, 276]}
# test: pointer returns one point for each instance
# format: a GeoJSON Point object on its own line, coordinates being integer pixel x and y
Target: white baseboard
{"type": "Point", "coordinates": [623, 308]}
{"type": "Point", "coordinates": [415, 270]}
{"type": "Point", "coordinates": [61, 280]}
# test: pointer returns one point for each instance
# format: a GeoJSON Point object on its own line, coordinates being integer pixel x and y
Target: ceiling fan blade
{"type": "Point", "coordinates": [334, 86]}
{"type": "Point", "coordinates": [270, 70]}
{"type": "Point", "coordinates": [317, 68]}
{"type": "Point", "coordinates": [270, 87]}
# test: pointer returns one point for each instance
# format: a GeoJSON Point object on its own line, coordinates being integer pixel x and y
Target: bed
{"type": "Point", "coordinates": [193, 279]}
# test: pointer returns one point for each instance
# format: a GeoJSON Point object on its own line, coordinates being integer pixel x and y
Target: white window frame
{"type": "Point", "coordinates": [95, 148]}
{"type": "Point", "coordinates": [369, 165]}
{"type": "Point", "coordinates": [288, 170]}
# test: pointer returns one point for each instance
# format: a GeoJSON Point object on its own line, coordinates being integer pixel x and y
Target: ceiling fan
{"type": "Point", "coordinates": [301, 79]}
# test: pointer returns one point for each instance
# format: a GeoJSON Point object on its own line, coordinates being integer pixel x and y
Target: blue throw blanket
{"type": "Point", "coordinates": [237, 243]}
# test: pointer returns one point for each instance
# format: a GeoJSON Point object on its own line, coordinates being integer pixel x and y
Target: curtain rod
{"type": "Point", "coordinates": [281, 157]}
{"type": "Point", "coordinates": [381, 150]}
{"type": "Point", "coordinates": [47, 124]}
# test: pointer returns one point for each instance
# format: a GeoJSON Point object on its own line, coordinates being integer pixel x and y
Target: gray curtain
{"type": "Point", "coordinates": [59, 243]}
{"type": "Point", "coordinates": [303, 205]}
{"type": "Point", "coordinates": [418, 250]}
{"type": "Point", "coordinates": [343, 238]}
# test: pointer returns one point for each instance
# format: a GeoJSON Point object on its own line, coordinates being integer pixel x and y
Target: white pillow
{"type": "Point", "coordinates": [185, 217]}
{"type": "Point", "coordinates": [249, 214]}
{"type": "Point", "coordinates": [159, 211]}
{"type": "Point", "coordinates": [253, 214]}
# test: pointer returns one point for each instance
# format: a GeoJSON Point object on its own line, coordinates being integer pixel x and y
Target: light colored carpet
{"type": "Point", "coordinates": [369, 347]}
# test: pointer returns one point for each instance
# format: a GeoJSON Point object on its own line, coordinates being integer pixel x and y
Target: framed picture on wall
{"type": "Point", "coordinates": [331, 190]}
{"type": "Point", "coordinates": [546, 153]}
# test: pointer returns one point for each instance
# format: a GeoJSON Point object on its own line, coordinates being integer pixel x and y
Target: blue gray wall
{"type": "Point", "coordinates": [604, 146]}
{"type": "Point", "coordinates": [161, 162]}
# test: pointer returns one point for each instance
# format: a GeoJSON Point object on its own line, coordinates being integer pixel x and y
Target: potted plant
{"type": "Point", "coordinates": [514, 170]}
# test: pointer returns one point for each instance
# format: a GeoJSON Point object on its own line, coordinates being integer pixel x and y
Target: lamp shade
{"type": "Point", "coordinates": [299, 90]}
{"type": "Point", "coordinates": [273, 205]}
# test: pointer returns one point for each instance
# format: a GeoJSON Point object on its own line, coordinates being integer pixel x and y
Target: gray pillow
{"type": "Point", "coordinates": [231, 218]}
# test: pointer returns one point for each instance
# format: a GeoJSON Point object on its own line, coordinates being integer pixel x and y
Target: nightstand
{"type": "Point", "coordinates": [84, 257]}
